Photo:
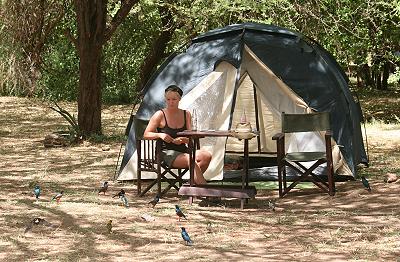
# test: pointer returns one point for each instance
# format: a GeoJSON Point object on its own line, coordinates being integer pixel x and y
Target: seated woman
{"type": "Point", "coordinates": [165, 124]}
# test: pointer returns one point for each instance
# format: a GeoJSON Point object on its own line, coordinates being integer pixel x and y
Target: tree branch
{"type": "Point", "coordinates": [67, 116]}
{"type": "Point", "coordinates": [126, 6]}
{"type": "Point", "coordinates": [157, 51]}
{"type": "Point", "coordinates": [71, 38]}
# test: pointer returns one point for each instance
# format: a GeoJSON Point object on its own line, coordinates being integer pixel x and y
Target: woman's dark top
{"type": "Point", "coordinates": [173, 133]}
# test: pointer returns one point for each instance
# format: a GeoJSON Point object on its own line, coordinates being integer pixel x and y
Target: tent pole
{"type": "Point", "coordinates": [257, 120]}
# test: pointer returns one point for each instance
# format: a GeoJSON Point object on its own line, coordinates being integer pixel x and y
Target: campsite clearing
{"type": "Point", "coordinates": [354, 225]}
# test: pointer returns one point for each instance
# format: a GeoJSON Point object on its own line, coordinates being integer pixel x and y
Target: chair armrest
{"type": "Point", "coordinates": [328, 138]}
{"type": "Point", "coordinates": [280, 145]}
{"type": "Point", "coordinates": [278, 136]}
{"type": "Point", "coordinates": [328, 134]}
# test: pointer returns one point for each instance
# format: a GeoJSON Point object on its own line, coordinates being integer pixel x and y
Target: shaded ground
{"type": "Point", "coordinates": [354, 225]}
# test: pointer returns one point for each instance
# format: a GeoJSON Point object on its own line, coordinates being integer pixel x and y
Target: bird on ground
{"type": "Point", "coordinates": [37, 191]}
{"type": "Point", "coordinates": [366, 183]}
{"type": "Point", "coordinates": [124, 200]}
{"type": "Point", "coordinates": [104, 187]}
{"type": "Point", "coordinates": [271, 205]}
{"type": "Point", "coordinates": [186, 237]}
{"type": "Point", "coordinates": [119, 194]}
{"type": "Point", "coordinates": [58, 196]}
{"type": "Point", "coordinates": [109, 226]}
{"type": "Point", "coordinates": [36, 222]}
{"type": "Point", "coordinates": [155, 201]}
{"type": "Point", "coordinates": [179, 213]}
{"type": "Point", "coordinates": [209, 227]}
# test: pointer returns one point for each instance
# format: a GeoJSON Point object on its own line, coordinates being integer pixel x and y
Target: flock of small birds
{"type": "Point", "coordinates": [121, 195]}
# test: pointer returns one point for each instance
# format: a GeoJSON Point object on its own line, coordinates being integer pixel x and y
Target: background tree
{"type": "Point", "coordinates": [92, 33]}
{"type": "Point", "coordinates": [364, 34]}
{"type": "Point", "coordinates": [97, 68]}
{"type": "Point", "coordinates": [26, 28]}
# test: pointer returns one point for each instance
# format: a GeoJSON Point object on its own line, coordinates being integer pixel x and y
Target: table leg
{"type": "Point", "coordinates": [245, 174]}
{"type": "Point", "coordinates": [246, 159]}
{"type": "Point", "coordinates": [191, 160]}
{"type": "Point", "coordinates": [193, 144]}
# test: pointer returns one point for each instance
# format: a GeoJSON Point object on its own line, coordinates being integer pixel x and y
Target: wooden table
{"type": "Point", "coordinates": [244, 192]}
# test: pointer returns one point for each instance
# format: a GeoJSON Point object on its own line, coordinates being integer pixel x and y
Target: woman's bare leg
{"type": "Point", "coordinates": [203, 159]}
{"type": "Point", "coordinates": [182, 161]}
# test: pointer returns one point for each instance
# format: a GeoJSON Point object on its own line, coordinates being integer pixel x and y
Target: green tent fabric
{"type": "Point", "coordinates": [262, 70]}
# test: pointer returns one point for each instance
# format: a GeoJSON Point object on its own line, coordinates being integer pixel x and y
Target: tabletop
{"type": "Point", "coordinates": [203, 133]}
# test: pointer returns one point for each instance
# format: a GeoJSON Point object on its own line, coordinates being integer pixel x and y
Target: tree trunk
{"type": "Point", "coordinates": [91, 18]}
{"type": "Point", "coordinates": [378, 79]}
{"type": "Point", "coordinates": [385, 75]}
{"type": "Point", "coordinates": [89, 98]}
{"type": "Point", "coordinates": [92, 34]}
{"type": "Point", "coordinates": [366, 75]}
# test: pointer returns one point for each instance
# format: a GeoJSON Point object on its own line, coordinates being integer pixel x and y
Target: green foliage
{"type": "Point", "coordinates": [60, 72]}
{"type": "Point", "coordinates": [25, 28]}
{"type": "Point", "coordinates": [74, 133]}
{"type": "Point", "coordinates": [125, 52]}
{"type": "Point", "coordinates": [354, 31]}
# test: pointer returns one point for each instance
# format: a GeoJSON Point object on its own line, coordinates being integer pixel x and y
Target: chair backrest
{"type": "Point", "coordinates": [147, 150]}
{"type": "Point", "coordinates": [139, 125]}
{"type": "Point", "coordinates": [318, 121]}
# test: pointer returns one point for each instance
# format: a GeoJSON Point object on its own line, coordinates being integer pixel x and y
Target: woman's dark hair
{"type": "Point", "coordinates": [174, 88]}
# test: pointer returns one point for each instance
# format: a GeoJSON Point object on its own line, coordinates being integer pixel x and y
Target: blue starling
{"type": "Point", "coordinates": [120, 193]}
{"type": "Point", "coordinates": [36, 191]}
{"type": "Point", "coordinates": [179, 213]}
{"type": "Point", "coordinates": [366, 183]}
{"type": "Point", "coordinates": [186, 237]}
{"type": "Point", "coordinates": [124, 200]}
{"type": "Point", "coordinates": [155, 201]}
{"type": "Point", "coordinates": [103, 187]}
{"type": "Point", "coordinates": [271, 205]}
{"type": "Point", "coordinates": [58, 196]}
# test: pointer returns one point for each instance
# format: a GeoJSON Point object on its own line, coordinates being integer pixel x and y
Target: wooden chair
{"type": "Point", "coordinates": [292, 123]}
{"type": "Point", "coordinates": [149, 160]}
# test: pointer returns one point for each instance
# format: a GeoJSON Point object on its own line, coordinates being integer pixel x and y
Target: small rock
{"type": "Point", "coordinates": [147, 217]}
{"type": "Point", "coordinates": [279, 209]}
{"type": "Point", "coordinates": [390, 178]}
{"type": "Point", "coordinates": [55, 140]}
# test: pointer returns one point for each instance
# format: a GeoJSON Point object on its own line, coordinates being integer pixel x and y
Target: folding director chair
{"type": "Point", "coordinates": [292, 123]}
{"type": "Point", "coordinates": [149, 160]}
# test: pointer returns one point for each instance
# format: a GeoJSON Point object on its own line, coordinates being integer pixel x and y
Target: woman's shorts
{"type": "Point", "coordinates": [169, 156]}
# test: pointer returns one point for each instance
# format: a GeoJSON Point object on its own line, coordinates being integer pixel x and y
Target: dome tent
{"type": "Point", "coordinates": [262, 70]}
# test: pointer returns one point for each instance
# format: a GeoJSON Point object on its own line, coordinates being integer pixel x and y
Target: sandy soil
{"type": "Point", "coordinates": [354, 225]}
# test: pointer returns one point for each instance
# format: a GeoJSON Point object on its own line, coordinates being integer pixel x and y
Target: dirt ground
{"type": "Point", "coordinates": [354, 225]}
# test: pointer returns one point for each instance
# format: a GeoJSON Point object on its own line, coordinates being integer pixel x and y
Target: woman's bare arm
{"type": "Point", "coordinates": [151, 130]}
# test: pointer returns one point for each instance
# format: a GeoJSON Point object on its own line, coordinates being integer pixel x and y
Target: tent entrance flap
{"type": "Point", "coordinates": [212, 100]}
